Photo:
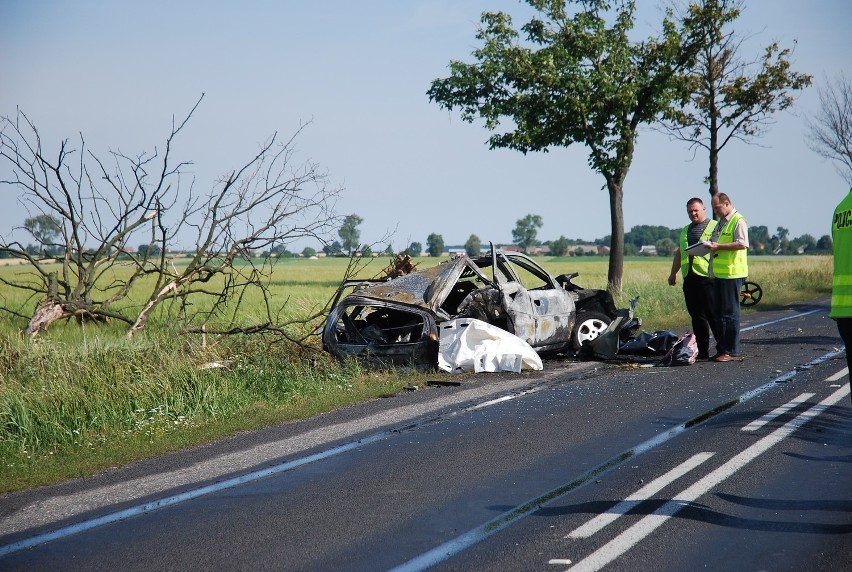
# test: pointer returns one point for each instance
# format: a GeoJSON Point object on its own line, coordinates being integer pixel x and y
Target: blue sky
{"type": "Point", "coordinates": [117, 71]}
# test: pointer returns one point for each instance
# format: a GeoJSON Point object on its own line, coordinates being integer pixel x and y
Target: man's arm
{"type": "Point", "coordinates": [675, 267]}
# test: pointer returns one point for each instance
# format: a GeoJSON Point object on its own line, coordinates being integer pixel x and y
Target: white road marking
{"type": "Point", "coordinates": [639, 531]}
{"type": "Point", "coordinates": [643, 494]}
{"type": "Point", "coordinates": [562, 561]}
{"type": "Point", "coordinates": [464, 541]}
{"type": "Point", "coordinates": [839, 374]}
{"type": "Point", "coordinates": [755, 425]}
{"type": "Point", "coordinates": [764, 324]}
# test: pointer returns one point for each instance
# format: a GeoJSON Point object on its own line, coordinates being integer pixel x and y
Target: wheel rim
{"type": "Point", "coordinates": [590, 329]}
{"type": "Point", "coordinates": [751, 294]}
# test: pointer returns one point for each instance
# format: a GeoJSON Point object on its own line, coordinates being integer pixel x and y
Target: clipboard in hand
{"type": "Point", "coordinates": [698, 249]}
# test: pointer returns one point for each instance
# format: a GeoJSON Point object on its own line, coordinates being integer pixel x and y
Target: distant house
{"type": "Point", "coordinates": [539, 250]}
{"type": "Point", "coordinates": [648, 250]}
{"type": "Point", "coordinates": [585, 249]}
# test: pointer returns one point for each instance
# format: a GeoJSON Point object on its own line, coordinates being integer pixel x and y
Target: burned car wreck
{"type": "Point", "coordinates": [398, 321]}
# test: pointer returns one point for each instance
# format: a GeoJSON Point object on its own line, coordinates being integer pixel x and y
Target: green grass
{"type": "Point", "coordinates": [79, 399]}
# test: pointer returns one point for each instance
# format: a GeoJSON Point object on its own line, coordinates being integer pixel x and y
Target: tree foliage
{"type": "Point", "coordinates": [644, 234]}
{"type": "Point", "coordinates": [525, 232]}
{"type": "Point", "coordinates": [572, 74]}
{"type": "Point", "coordinates": [830, 129]}
{"type": "Point", "coordinates": [46, 230]}
{"type": "Point", "coordinates": [726, 95]}
{"type": "Point", "coordinates": [349, 233]}
{"type": "Point", "coordinates": [559, 247]}
{"type": "Point", "coordinates": [414, 249]}
{"type": "Point", "coordinates": [435, 244]}
{"type": "Point", "coordinates": [473, 246]}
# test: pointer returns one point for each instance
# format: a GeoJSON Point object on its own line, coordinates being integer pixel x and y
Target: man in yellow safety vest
{"type": "Point", "coordinates": [697, 286]}
{"type": "Point", "coordinates": [841, 291]}
{"type": "Point", "coordinates": [729, 267]}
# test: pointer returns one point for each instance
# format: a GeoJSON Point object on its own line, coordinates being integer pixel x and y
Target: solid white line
{"type": "Point", "coordinates": [188, 495]}
{"type": "Point", "coordinates": [643, 494]}
{"type": "Point", "coordinates": [755, 425]}
{"type": "Point", "coordinates": [466, 540]}
{"type": "Point", "coordinates": [630, 537]}
{"type": "Point", "coordinates": [764, 324]}
{"type": "Point", "coordinates": [839, 374]}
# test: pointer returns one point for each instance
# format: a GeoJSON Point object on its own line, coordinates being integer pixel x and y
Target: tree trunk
{"type": "Point", "coordinates": [45, 315]}
{"type": "Point", "coordinates": [616, 246]}
{"type": "Point", "coordinates": [142, 319]}
{"type": "Point", "coordinates": [713, 175]}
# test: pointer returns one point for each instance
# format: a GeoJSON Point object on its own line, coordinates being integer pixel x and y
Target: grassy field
{"type": "Point", "coordinates": [79, 399]}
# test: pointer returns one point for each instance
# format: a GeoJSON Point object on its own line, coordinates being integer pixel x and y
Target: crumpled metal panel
{"type": "Point", "coordinates": [424, 288]}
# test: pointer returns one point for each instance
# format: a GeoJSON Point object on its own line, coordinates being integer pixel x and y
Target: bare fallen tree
{"type": "Point", "coordinates": [102, 208]}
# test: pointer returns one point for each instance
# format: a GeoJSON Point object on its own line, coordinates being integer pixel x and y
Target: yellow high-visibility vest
{"type": "Point", "coordinates": [700, 264]}
{"type": "Point", "coordinates": [730, 263]}
{"type": "Point", "coordinates": [841, 235]}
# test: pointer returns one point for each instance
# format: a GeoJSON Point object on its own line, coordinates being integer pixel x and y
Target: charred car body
{"type": "Point", "coordinates": [398, 321]}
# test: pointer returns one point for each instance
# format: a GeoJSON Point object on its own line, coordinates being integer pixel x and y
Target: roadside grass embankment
{"type": "Point", "coordinates": [77, 400]}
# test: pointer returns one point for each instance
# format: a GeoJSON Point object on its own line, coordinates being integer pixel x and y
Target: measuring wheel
{"type": "Point", "coordinates": [750, 294]}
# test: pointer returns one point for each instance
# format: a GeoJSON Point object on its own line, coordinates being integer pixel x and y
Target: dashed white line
{"type": "Point", "coordinates": [633, 535]}
{"type": "Point", "coordinates": [643, 494]}
{"type": "Point", "coordinates": [839, 374]}
{"type": "Point", "coordinates": [757, 424]}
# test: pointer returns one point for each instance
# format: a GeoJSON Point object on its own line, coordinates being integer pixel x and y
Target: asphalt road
{"type": "Point", "coordinates": [744, 465]}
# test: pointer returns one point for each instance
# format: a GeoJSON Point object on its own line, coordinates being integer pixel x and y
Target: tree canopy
{"type": "Point", "coordinates": [727, 97]}
{"type": "Point", "coordinates": [435, 244]}
{"type": "Point", "coordinates": [349, 233]}
{"type": "Point", "coordinates": [526, 231]}
{"type": "Point", "coordinates": [473, 246]}
{"type": "Point", "coordinates": [570, 77]}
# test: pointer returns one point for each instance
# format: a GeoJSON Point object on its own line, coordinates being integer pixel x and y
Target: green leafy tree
{"type": "Point", "coordinates": [559, 247]}
{"type": "Point", "coordinates": [414, 249]}
{"type": "Point", "coordinates": [643, 234]}
{"type": "Point", "coordinates": [729, 97]}
{"type": "Point", "coordinates": [333, 249]}
{"type": "Point", "coordinates": [389, 249]}
{"type": "Point", "coordinates": [473, 246]}
{"type": "Point", "coordinates": [46, 230]}
{"type": "Point", "coordinates": [825, 244]}
{"type": "Point", "coordinates": [759, 239]}
{"type": "Point", "coordinates": [578, 77]}
{"type": "Point", "coordinates": [307, 252]}
{"type": "Point", "coordinates": [349, 233]}
{"type": "Point", "coordinates": [366, 251]}
{"type": "Point", "coordinates": [435, 244]}
{"type": "Point", "coordinates": [149, 250]}
{"type": "Point", "coordinates": [526, 231]}
{"type": "Point", "coordinates": [665, 247]}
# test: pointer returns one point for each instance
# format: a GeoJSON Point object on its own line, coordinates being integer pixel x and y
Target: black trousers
{"type": "Point", "coordinates": [844, 326]}
{"type": "Point", "coordinates": [698, 295]}
{"type": "Point", "coordinates": [727, 314]}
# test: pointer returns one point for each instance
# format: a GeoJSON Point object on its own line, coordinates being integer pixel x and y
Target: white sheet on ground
{"type": "Point", "coordinates": [467, 344]}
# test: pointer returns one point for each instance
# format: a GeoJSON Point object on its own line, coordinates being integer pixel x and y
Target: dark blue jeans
{"type": "Point", "coordinates": [727, 314]}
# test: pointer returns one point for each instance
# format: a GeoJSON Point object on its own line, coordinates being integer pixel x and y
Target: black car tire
{"type": "Point", "coordinates": [588, 327]}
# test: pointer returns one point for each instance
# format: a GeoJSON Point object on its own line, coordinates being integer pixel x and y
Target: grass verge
{"type": "Point", "coordinates": [77, 401]}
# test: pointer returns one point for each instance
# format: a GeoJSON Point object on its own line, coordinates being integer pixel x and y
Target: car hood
{"type": "Point", "coordinates": [423, 288]}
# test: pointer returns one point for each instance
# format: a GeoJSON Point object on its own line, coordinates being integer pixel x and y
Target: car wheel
{"type": "Point", "coordinates": [589, 326]}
